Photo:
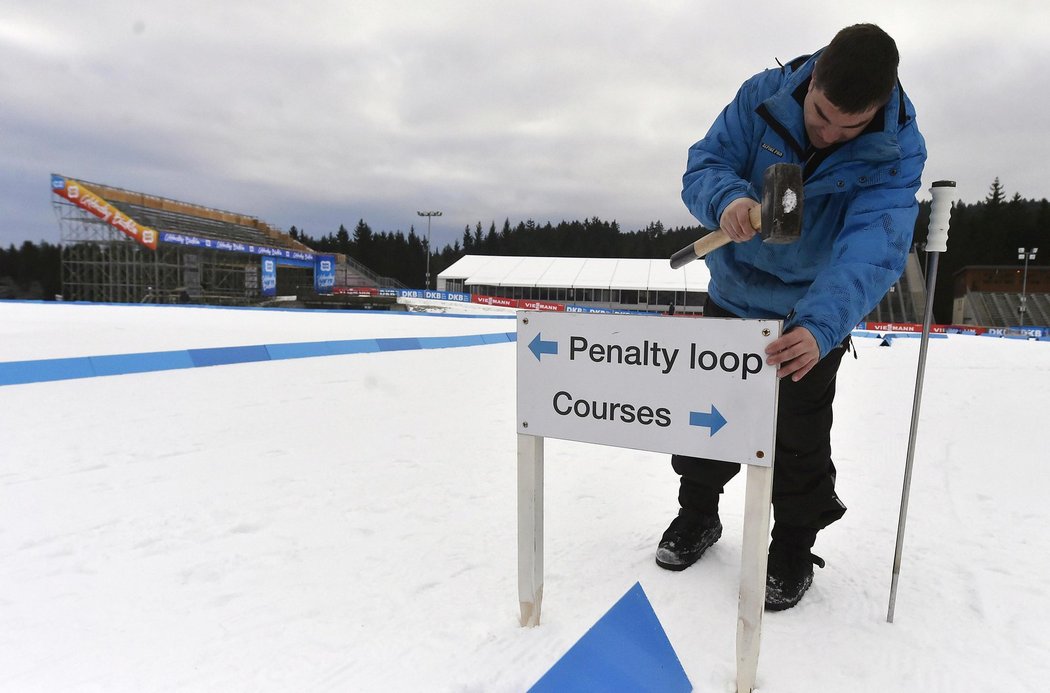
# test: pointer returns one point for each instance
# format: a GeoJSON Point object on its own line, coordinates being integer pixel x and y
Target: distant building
{"type": "Point", "coordinates": [616, 283]}
{"type": "Point", "coordinates": [632, 284]}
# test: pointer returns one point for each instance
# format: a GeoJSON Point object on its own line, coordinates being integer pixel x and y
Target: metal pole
{"type": "Point", "coordinates": [936, 242]}
{"type": "Point", "coordinates": [428, 215]}
{"type": "Point", "coordinates": [1026, 255]}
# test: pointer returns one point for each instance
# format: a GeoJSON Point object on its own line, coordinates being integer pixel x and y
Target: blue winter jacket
{"type": "Point", "coordinates": [859, 207]}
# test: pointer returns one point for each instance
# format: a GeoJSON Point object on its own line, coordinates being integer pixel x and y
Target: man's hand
{"type": "Point", "coordinates": [794, 354]}
{"type": "Point", "coordinates": [735, 220]}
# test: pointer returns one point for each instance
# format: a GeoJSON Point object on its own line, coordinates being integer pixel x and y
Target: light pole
{"type": "Point", "coordinates": [1025, 254]}
{"type": "Point", "coordinates": [428, 215]}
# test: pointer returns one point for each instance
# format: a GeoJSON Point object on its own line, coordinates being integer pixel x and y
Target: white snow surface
{"type": "Point", "coordinates": [348, 523]}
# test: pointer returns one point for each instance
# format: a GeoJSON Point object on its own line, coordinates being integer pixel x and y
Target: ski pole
{"type": "Point", "coordinates": [943, 192]}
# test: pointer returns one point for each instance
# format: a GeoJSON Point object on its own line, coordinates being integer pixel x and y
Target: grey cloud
{"type": "Point", "coordinates": [322, 113]}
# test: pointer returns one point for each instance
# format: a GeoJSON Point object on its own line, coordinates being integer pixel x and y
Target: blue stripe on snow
{"type": "Point", "coordinates": [120, 364]}
{"type": "Point", "coordinates": [223, 356]}
{"type": "Point", "coordinates": [18, 372]}
{"type": "Point", "coordinates": [46, 370]}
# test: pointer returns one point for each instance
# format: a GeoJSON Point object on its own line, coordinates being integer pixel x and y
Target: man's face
{"type": "Point", "coordinates": [827, 125]}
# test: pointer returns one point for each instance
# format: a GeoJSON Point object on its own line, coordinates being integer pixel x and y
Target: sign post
{"type": "Point", "coordinates": [530, 528]}
{"type": "Point", "coordinates": [694, 387]}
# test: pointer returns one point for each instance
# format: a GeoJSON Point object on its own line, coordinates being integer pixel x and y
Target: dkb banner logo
{"type": "Point", "coordinates": [269, 277]}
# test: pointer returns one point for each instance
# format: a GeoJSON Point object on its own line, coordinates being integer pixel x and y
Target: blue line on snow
{"type": "Point", "coordinates": [45, 370]}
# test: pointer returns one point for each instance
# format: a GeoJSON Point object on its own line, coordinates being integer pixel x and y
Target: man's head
{"type": "Point", "coordinates": [853, 78]}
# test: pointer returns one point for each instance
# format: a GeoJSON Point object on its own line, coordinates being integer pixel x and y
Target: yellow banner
{"type": "Point", "coordinates": [80, 195]}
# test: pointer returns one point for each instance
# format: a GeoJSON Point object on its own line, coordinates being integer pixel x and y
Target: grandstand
{"type": "Point", "coordinates": [992, 296]}
{"type": "Point", "coordinates": [130, 247]}
{"type": "Point", "coordinates": [984, 296]}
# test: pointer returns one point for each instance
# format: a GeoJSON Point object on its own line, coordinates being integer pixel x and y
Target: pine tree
{"type": "Point", "coordinates": [342, 238]}
{"type": "Point", "coordinates": [996, 196]}
{"type": "Point", "coordinates": [363, 244]}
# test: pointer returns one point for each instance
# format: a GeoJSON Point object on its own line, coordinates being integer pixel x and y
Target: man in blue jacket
{"type": "Point", "coordinates": [842, 115]}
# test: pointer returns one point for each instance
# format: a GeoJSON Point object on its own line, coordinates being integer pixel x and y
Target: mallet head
{"type": "Point", "coordinates": [778, 218]}
{"type": "Point", "coordinates": [782, 203]}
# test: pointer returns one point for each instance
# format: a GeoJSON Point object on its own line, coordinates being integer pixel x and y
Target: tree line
{"type": "Point", "coordinates": [31, 271]}
{"type": "Point", "coordinates": [988, 232]}
{"type": "Point", "coordinates": [404, 257]}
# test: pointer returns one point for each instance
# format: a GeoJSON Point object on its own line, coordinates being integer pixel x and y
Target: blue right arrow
{"type": "Point", "coordinates": [714, 420]}
{"type": "Point", "coordinates": [539, 347]}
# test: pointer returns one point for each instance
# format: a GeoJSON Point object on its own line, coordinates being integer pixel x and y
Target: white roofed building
{"type": "Point", "coordinates": [617, 283]}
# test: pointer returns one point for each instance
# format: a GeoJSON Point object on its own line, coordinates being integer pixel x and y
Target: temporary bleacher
{"type": "Point", "coordinates": [164, 214]}
{"type": "Point", "coordinates": [194, 253]}
{"type": "Point", "coordinates": [213, 224]}
{"type": "Point", "coordinates": [199, 226]}
{"type": "Point", "coordinates": [1003, 309]}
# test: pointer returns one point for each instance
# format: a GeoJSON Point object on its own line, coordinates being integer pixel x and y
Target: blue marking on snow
{"type": "Point", "coordinates": [46, 370]}
{"type": "Point", "coordinates": [626, 650]}
{"type": "Point", "coordinates": [121, 364]}
{"type": "Point", "coordinates": [17, 372]}
{"type": "Point", "coordinates": [224, 356]}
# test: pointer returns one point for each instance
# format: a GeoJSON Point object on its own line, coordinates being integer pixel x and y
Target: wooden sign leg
{"type": "Point", "coordinates": [530, 528]}
{"type": "Point", "coordinates": [753, 575]}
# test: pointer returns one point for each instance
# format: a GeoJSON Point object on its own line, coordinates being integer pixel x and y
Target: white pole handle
{"type": "Point", "coordinates": [943, 192]}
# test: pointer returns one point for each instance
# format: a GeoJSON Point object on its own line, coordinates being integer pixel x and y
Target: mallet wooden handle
{"type": "Point", "coordinates": [712, 241]}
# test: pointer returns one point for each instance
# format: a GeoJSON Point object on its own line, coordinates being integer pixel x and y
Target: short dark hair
{"type": "Point", "coordinates": [858, 69]}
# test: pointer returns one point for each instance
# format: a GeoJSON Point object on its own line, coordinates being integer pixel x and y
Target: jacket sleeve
{"type": "Point", "coordinates": [717, 165]}
{"type": "Point", "coordinates": [869, 252]}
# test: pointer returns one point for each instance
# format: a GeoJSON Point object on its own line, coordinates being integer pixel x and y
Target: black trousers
{"type": "Point", "coordinates": [803, 474]}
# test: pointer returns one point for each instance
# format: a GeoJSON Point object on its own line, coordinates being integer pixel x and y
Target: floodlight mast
{"type": "Point", "coordinates": [428, 215]}
{"type": "Point", "coordinates": [1025, 254]}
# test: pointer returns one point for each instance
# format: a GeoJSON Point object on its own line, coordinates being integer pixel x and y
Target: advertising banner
{"type": "Point", "coordinates": [433, 295]}
{"type": "Point", "coordinates": [269, 277]}
{"type": "Point", "coordinates": [294, 258]}
{"type": "Point", "coordinates": [82, 197]}
{"type": "Point", "coordinates": [355, 291]}
{"type": "Point", "coordinates": [527, 304]}
{"type": "Point", "coordinates": [324, 274]}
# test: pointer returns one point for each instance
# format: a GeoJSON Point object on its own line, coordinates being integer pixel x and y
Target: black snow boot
{"type": "Point", "coordinates": [686, 539]}
{"type": "Point", "coordinates": [789, 571]}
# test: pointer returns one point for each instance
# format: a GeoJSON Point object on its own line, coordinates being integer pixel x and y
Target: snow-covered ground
{"type": "Point", "coordinates": [348, 523]}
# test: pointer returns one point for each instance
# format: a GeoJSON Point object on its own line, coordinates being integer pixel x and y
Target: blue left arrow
{"type": "Point", "coordinates": [539, 347]}
{"type": "Point", "coordinates": [713, 420]}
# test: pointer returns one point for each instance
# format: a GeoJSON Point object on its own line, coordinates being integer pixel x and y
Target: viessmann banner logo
{"type": "Point", "coordinates": [82, 197]}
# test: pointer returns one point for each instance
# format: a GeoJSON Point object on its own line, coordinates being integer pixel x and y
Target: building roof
{"type": "Point", "coordinates": [578, 273]}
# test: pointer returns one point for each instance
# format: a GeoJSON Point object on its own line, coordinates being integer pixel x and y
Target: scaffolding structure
{"type": "Point", "coordinates": [215, 257]}
{"type": "Point", "coordinates": [101, 264]}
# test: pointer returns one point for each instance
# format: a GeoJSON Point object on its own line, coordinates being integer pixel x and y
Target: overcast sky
{"type": "Point", "coordinates": [320, 113]}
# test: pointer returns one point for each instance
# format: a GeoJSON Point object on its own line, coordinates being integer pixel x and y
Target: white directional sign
{"type": "Point", "coordinates": [698, 387]}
